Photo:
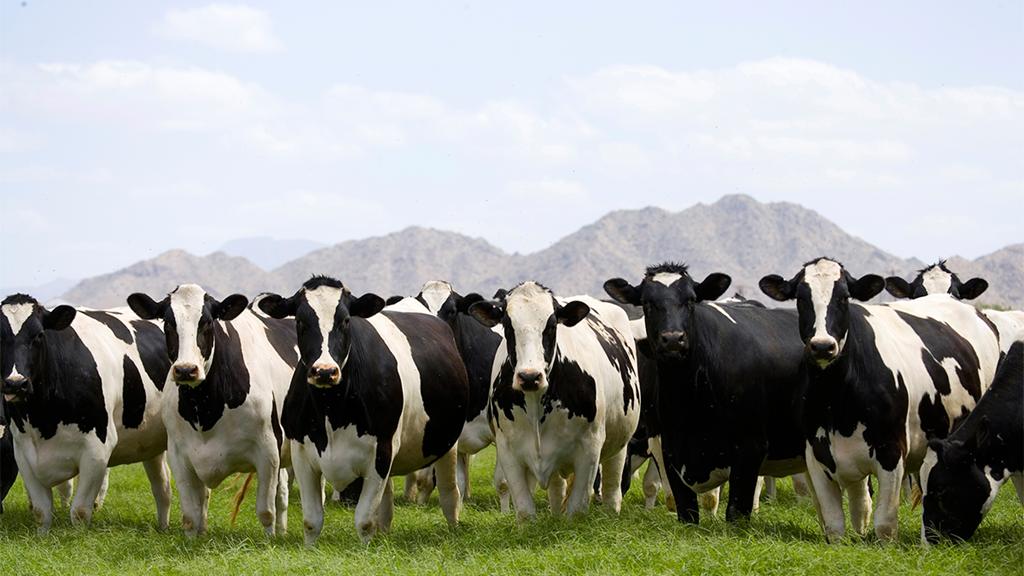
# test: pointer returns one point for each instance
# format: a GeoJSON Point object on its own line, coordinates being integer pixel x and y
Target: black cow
{"type": "Point", "coordinates": [881, 380]}
{"type": "Point", "coordinates": [962, 473]}
{"type": "Point", "coordinates": [374, 394]}
{"type": "Point", "coordinates": [728, 380]}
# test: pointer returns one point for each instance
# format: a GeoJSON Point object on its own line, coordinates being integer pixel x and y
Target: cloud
{"type": "Point", "coordinates": [230, 27]}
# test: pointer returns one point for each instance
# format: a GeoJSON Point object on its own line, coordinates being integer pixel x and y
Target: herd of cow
{"type": "Point", "coordinates": [574, 392]}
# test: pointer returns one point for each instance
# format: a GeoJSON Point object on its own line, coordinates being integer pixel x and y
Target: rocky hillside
{"type": "Point", "coordinates": [736, 235]}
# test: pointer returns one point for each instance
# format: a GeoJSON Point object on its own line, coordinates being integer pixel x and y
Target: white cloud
{"type": "Point", "coordinates": [230, 27]}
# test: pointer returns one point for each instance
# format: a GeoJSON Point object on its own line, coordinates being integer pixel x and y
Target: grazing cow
{"type": "Point", "coordinates": [937, 279]}
{"type": "Point", "coordinates": [230, 370]}
{"type": "Point", "coordinates": [374, 394]}
{"type": "Point", "coordinates": [565, 396]}
{"type": "Point", "coordinates": [728, 380]}
{"type": "Point", "coordinates": [881, 381]}
{"type": "Point", "coordinates": [82, 390]}
{"type": "Point", "coordinates": [962, 473]}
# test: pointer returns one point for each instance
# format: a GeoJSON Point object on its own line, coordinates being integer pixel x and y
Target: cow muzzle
{"type": "Point", "coordinates": [324, 375]}
{"type": "Point", "coordinates": [530, 380]}
{"type": "Point", "coordinates": [187, 374]}
{"type": "Point", "coordinates": [673, 344]}
{"type": "Point", "coordinates": [16, 388]}
{"type": "Point", "coordinates": [823, 350]}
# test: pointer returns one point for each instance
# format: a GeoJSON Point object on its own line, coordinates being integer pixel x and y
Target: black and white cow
{"type": "Point", "coordinates": [938, 279]}
{"type": "Point", "coordinates": [229, 375]}
{"type": "Point", "coordinates": [82, 391]}
{"type": "Point", "coordinates": [374, 394]}
{"type": "Point", "coordinates": [565, 396]}
{"type": "Point", "coordinates": [881, 381]}
{"type": "Point", "coordinates": [728, 380]}
{"type": "Point", "coordinates": [962, 473]}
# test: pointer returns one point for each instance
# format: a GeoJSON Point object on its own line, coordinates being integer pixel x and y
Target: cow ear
{"type": "Point", "coordinates": [277, 307]}
{"type": "Point", "coordinates": [145, 307]}
{"type": "Point", "coordinates": [463, 303]}
{"type": "Point", "coordinates": [500, 294]}
{"type": "Point", "coordinates": [488, 313]}
{"type": "Point", "coordinates": [898, 287]}
{"type": "Point", "coordinates": [866, 287]}
{"type": "Point", "coordinates": [712, 287]}
{"type": "Point", "coordinates": [229, 308]}
{"type": "Point", "coordinates": [972, 288]}
{"type": "Point", "coordinates": [623, 292]}
{"type": "Point", "coordinates": [366, 305]}
{"type": "Point", "coordinates": [981, 435]}
{"type": "Point", "coordinates": [571, 314]}
{"type": "Point", "coordinates": [393, 300]}
{"type": "Point", "coordinates": [59, 318]}
{"type": "Point", "coordinates": [776, 287]}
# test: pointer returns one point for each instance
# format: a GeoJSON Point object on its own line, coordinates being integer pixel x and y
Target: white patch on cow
{"type": "Point", "coordinates": [715, 306]}
{"type": "Point", "coordinates": [324, 301]}
{"type": "Point", "coordinates": [529, 306]}
{"type": "Point", "coordinates": [639, 329]}
{"type": "Point", "coordinates": [821, 277]}
{"type": "Point", "coordinates": [666, 278]}
{"type": "Point", "coordinates": [187, 303]}
{"type": "Point", "coordinates": [936, 280]}
{"type": "Point", "coordinates": [17, 315]}
{"type": "Point", "coordinates": [435, 293]}
{"type": "Point", "coordinates": [993, 488]}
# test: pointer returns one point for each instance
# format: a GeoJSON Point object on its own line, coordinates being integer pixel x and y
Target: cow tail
{"type": "Point", "coordinates": [240, 496]}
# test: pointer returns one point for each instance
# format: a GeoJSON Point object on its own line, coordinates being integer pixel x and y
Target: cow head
{"type": "Point", "coordinates": [936, 279]}
{"type": "Point", "coordinates": [323, 309]}
{"type": "Point", "coordinates": [434, 294]}
{"type": "Point", "coordinates": [822, 290]}
{"type": "Point", "coordinates": [956, 492]}
{"type": "Point", "coordinates": [669, 297]}
{"type": "Point", "coordinates": [189, 314]}
{"type": "Point", "coordinates": [23, 326]}
{"type": "Point", "coordinates": [529, 315]}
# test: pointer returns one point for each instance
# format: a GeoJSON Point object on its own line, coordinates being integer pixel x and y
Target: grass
{"type": "Point", "coordinates": [782, 538]}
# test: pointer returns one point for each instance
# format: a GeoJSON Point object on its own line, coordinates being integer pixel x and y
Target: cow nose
{"type": "Point", "coordinates": [186, 372]}
{"type": "Point", "coordinates": [673, 341]}
{"type": "Point", "coordinates": [824, 348]}
{"type": "Point", "coordinates": [323, 374]}
{"type": "Point", "coordinates": [529, 380]}
{"type": "Point", "coordinates": [15, 384]}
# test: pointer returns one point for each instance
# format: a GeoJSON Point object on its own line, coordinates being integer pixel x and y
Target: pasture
{"type": "Point", "coordinates": [783, 538]}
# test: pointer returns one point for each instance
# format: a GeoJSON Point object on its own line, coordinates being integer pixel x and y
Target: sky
{"type": "Point", "coordinates": [131, 128]}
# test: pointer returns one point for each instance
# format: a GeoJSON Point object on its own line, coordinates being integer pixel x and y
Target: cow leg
{"type": "Point", "coordinates": [770, 488]}
{"type": "Point", "coordinates": [191, 493]}
{"type": "Point", "coordinates": [386, 512]}
{"type": "Point", "coordinates": [743, 487]}
{"type": "Point", "coordinates": [160, 486]}
{"type": "Point", "coordinates": [800, 485]}
{"type": "Point", "coordinates": [501, 487]}
{"type": "Point", "coordinates": [659, 459]}
{"type": "Point", "coordinates": [758, 489]}
{"type": "Point", "coordinates": [556, 494]}
{"type": "Point", "coordinates": [92, 470]}
{"type": "Point", "coordinates": [425, 483]}
{"type": "Point", "coordinates": [311, 492]}
{"type": "Point", "coordinates": [829, 498]}
{"type": "Point", "coordinates": [709, 501]}
{"type": "Point", "coordinates": [579, 496]}
{"type": "Point", "coordinates": [281, 503]}
{"type": "Point", "coordinates": [685, 498]}
{"type": "Point", "coordinates": [65, 490]}
{"type": "Point", "coordinates": [40, 497]}
{"type": "Point", "coordinates": [462, 473]}
{"type": "Point", "coordinates": [1018, 484]}
{"type": "Point", "coordinates": [369, 502]}
{"type": "Point", "coordinates": [611, 488]}
{"type": "Point", "coordinates": [267, 470]}
{"type": "Point", "coordinates": [447, 486]}
{"type": "Point", "coordinates": [518, 479]}
{"type": "Point", "coordinates": [101, 496]}
{"type": "Point", "coordinates": [411, 487]}
{"type": "Point", "coordinates": [651, 484]}
{"type": "Point", "coordinates": [860, 505]}
{"type": "Point", "coordinates": [887, 514]}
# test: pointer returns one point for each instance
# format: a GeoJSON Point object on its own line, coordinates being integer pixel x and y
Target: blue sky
{"type": "Point", "coordinates": [128, 128]}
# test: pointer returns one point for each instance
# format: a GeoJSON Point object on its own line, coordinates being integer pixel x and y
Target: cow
{"type": "Point", "coordinates": [83, 392]}
{"type": "Point", "coordinates": [373, 394]}
{"type": "Point", "coordinates": [880, 381]}
{"type": "Point", "coordinates": [962, 473]}
{"type": "Point", "coordinates": [228, 378]}
{"type": "Point", "coordinates": [565, 396]}
{"type": "Point", "coordinates": [938, 279]}
{"type": "Point", "coordinates": [728, 380]}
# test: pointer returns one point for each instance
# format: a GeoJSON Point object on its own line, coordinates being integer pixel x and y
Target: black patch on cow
{"type": "Point", "coordinates": [504, 397]}
{"type": "Point", "coordinates": [226, 385]}
{"type": "Point", "coordinates": [281, 335]}
{"type": "Point", "coordinates": [943, 342]}
{"type": "Point", "coordinates": [116, 326]}
{"type": "Point", "coordinates": [152, 347]}
{"type": "Point", "coordinates": [443, 381]}
{"type": "Point", "coordinates": [477, 345]}
{"type": "Point", "coordinates": [275, 425]}
{"type": "Point", "coordinates": [8, 465]}
{"type": "Point", "coordinates": [618, 356]}
{"type": "Point", "coordinates": [571, 389]}
{"type": "Point", "coordinates": [133, 396]}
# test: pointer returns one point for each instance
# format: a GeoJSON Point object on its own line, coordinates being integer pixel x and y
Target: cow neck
{"type": "Point", "coordinates": [343, 404]}
{"type": "Point", "coordinates": [226, 384]}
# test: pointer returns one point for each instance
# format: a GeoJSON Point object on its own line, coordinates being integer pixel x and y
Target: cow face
{"type": "Point", "coordinates": [434, 294]}
{"type": "Point", "coordinates": [323, 309]}
{"type": "Point", "coordinates": [822, 290]}
{"type": "Point", "coordinates": [936, 279]}
{"type": "Point", "coordinates": [529, 315]}
{"type": "Point", "coordinates": [189, 314]}
{"type": "Point", "coordinates": [669, 297]}
{"type": "Point", "coordinates": [957, 493]}
{"type": "Point", "coordinates": [23, 326]}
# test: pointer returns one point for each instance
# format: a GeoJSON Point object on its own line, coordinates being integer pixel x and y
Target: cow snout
{"type": "Point", "coordinates": [324, 375]}
{"type": "Point", "coordinates": [15, 388]}
{"type": "Point", "coordinates": [529, 380]}
{"type": "Point", "coordinates": [185, 373]}
{"type": "Point", "coordinates": [823, 349]}
{"type": "Point", "coordinates": [673, 342]}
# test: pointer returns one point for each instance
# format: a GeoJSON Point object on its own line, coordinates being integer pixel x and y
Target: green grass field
{"type": "Point", "coordinates": [782, 538]}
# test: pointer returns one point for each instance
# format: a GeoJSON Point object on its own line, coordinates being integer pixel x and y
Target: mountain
{"type": "Point", "coordinates": [736, 235]}
{"type": "Point", "coordinates": [269, 253]}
